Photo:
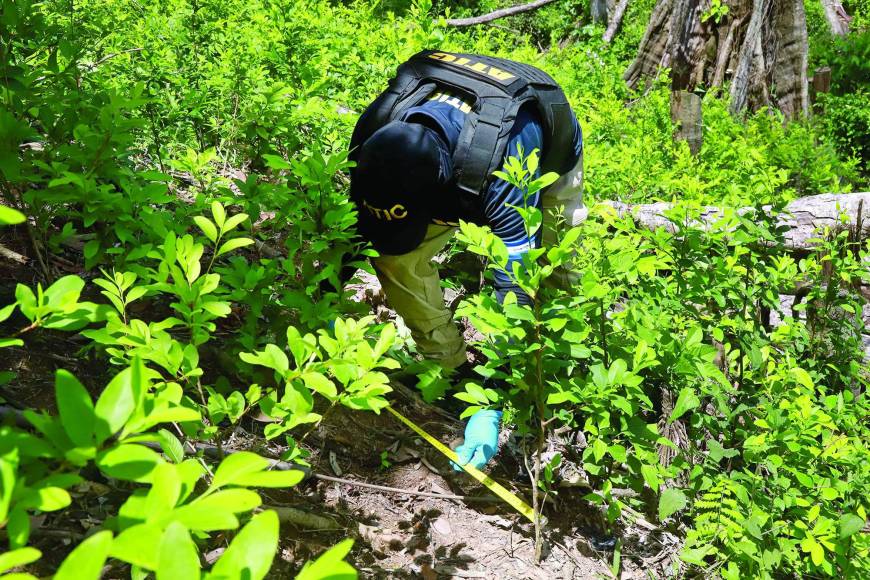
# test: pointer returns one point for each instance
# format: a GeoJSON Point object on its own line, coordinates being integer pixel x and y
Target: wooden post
{"type": "Point", "coordinates": [819, 83]}
{"type": "Point", "coordinates": [686, 116]}
{"type": "Point", "coordinates": [598, 11]}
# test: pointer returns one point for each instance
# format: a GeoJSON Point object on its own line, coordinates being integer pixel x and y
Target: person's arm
{"type": "Point", "coordinates": [481, 431]}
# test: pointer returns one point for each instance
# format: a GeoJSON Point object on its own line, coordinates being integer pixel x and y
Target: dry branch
{"type": "Point", "coordinates": [615, 21]}
{"type": "Point", "coordinates": [803, 216]}
{"type": "Point", "coordinates": [12, 255]}
{"type": "Point", "coordinates": [501, 13]}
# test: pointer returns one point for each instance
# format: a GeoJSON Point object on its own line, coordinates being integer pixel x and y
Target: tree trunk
{"type": "Point", "coordinates": [743, 75]}
{"type": "Point", "coordinates": [790, 58]}
{"type": "Point", "coordinates": [761, 45]}
{"type": "Point", "coordinates": [653, 45]}
{"type": "Point", "coordinates": [837, 18]}
{"type": "Point", "coordinates": [615, 21]}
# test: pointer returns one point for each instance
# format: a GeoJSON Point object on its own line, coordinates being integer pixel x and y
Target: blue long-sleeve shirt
{"type": "Point", "coordinates": [445, 113]}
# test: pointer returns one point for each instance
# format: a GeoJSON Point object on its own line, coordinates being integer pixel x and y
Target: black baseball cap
{"type": "Point", "coordinates": [399, 172]}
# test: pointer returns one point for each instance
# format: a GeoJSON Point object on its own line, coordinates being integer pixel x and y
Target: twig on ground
{"type": "Point", "coordinates": [637, 519]}
{"type": "Point", "coordinates": [501, 13]}
{"type": "Point", "coordinates": [12, 255]}
{"type": "Point", "coordinates": [405, 491]}
{"type": "Point", "coordinates": [304, 519]}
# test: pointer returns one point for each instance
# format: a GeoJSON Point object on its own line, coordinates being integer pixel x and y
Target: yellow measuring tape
{"type": "Point", "coordinates": [496, 488]}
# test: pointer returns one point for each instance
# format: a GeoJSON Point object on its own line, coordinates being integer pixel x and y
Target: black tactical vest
{"type": "Point", "coordinates": [496, 88]}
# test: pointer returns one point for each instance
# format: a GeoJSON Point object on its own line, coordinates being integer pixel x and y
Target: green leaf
{"type": "Point", "coordinates": [86, 561]}
{"type": "Point", "coordinates": [6, 311]}
{"type": "Point", "coordinates": [17, 527]}
{"type": "Point", "coordinates": [122, 396]}
{"type": "Point", "coordinates": [75, 407]}
{"type": "Point", "coordinates": [207, 227]}
{"type": "Point", "coordinates": [178, 557]}
{"type": "Point", "coordinates": [9, 216]}
{"type": "Point", "coordinates": [320, 384]}
{"type": "Point", "coordinates": [716, 451]}
{"type": "Point", "coordinates": [802, 377]}
{"type": "Point", "coordinates": [686, 401]}
{"type": "Point", "coordinates": [138, 545]}
{"type": "Point", "coordinates": [238, 465]}
{"type": "Point", "coordinates": [65, 292]}
{"type": "Point", "coordinates": [217, 308]}
{"type": "Point", "coordinates": [850, 524]}
{"type": "Point", "coordinates": [164, 493]}
{"type": "Point", "coordinates": [251, 552]}
{"type": "Point", "coordinates": [330, 565]}
{"type": "Point", "coordinates": [219, 214]}
{"type": "Point", "coordinates": [271, 357]}
{"type": "Point", "coordinates": [234, 244]}
{"type": "Point", "coordinates": [129, 462]}
{"type": "Point", "coordinates": [233, 221]}
{"type": "Point", "coordinates": [171, 446]}
{"type": "Point", "coordinates": [275, 478]}
{"type": "Point", "coordinates": [276, 162]}
{"type": "Point", "coordinates": [46, 499]}
{"type": "Point", "coordinates": [91, 249]}
{"type": "Point", "coordinates": [217, 511]}
{"type": "Point", "coordinates": [671, 501]}
{"type": "Point", "coordinates": [477, 393]}
{"type": "Point", "coordinates": [816, 551]}
{"type": "Point", "coordinates": [19, 557]}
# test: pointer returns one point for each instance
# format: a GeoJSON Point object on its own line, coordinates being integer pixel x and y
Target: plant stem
{"type": "Point", "coordinates": [540, 408]}
{"type": "Point", "coordinates": [33, 326]}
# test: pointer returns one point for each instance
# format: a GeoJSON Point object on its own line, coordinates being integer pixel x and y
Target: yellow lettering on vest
{"type": "Point", "coordinates": [478, 67]}
{"type": "Point", "coordinates": [442, 56]}
{"type": "Point", "coordinates": [398, 211]}
{"type": "Point", "coordinates": [499, 74]}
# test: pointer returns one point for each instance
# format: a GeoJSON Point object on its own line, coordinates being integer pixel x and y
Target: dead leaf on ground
{"type": "Point", "coordinates": [442, 526]}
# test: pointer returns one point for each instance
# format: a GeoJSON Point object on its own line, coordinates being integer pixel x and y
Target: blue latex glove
{"type": "Point", "coordinates": [481, 439]}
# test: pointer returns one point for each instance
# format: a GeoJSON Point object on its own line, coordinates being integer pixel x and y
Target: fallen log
{"type": "Point", "coordinates": [804, 217]}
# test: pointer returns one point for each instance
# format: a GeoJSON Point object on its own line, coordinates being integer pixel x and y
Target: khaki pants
{"type": "Point", "coordinates": [413, 288]}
